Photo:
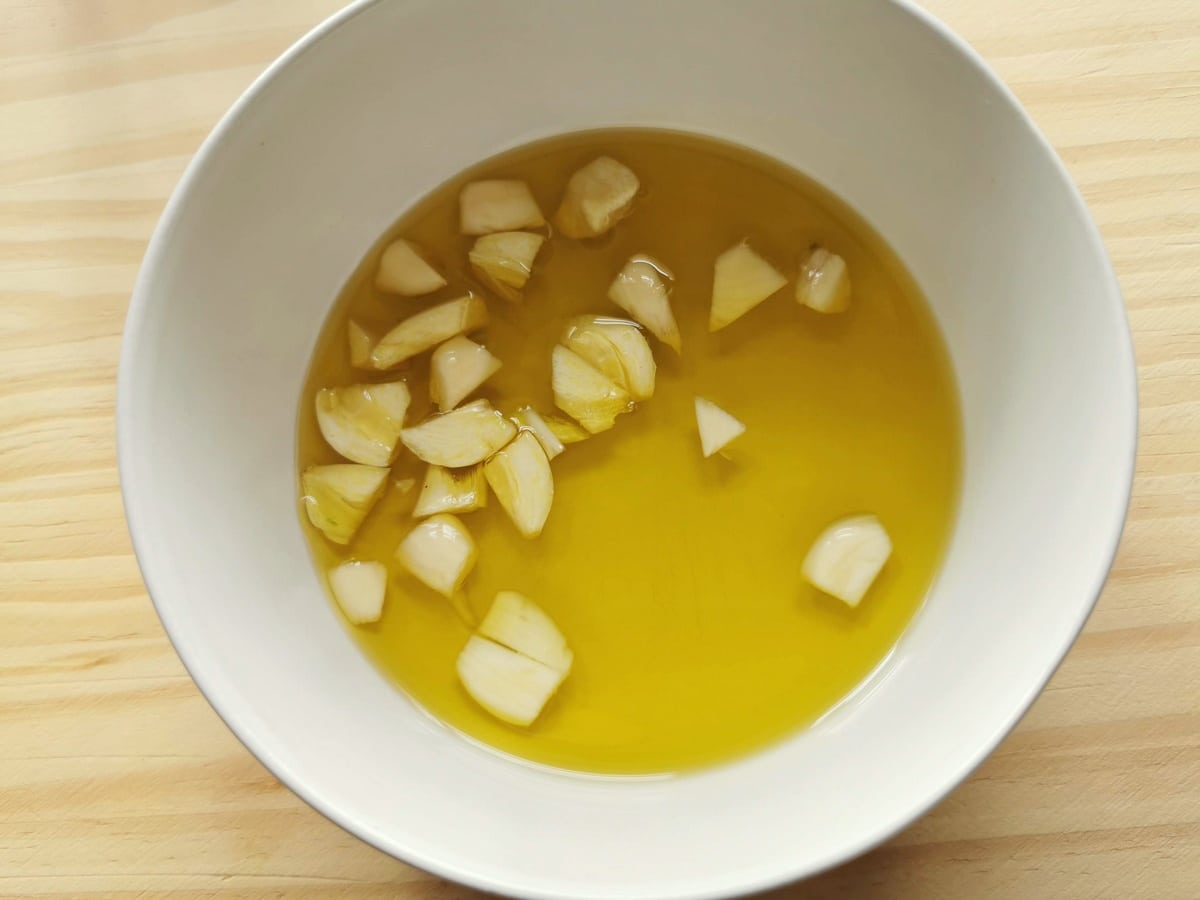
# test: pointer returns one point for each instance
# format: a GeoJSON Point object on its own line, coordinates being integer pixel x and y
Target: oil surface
{"type": "Point", "coordinates": [676, 579]}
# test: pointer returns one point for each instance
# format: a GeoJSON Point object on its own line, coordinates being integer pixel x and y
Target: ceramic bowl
{"type": "Point", "coordinates": [388, 99]}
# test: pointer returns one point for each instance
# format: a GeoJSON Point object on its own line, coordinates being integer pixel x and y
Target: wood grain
{"type": "Point", "coordinates": [118, 781]}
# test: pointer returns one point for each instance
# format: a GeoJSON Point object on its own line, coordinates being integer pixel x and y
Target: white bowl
{"type": "Point", "coordinates": [385, 101]}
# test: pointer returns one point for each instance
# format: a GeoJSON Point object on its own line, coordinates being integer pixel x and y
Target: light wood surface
{"type": "Point", "coordinates": [118, 780]}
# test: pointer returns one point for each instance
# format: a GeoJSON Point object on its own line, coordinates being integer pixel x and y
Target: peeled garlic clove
{"type": "Point", "coordinates": [597, 197]}
{"type": "Point", "coordinates": [457, 368]}
{"type": "Point", "coordinates": [428, 328]}
{"type": "Point", "coordinates": [520, 477]}
{"type": "Point", "coordinates": [451, 490]}
{"type": "Point", "coordinates": [359, 589]}
{"type": "Point", "coordinates": [617, 349]}
{"type": "Point", "coordinates": [565, 430]}
{"type": "Point", "coordinates": [402, 270]}
{"type": "Point", "coordinates": [337, 498]}
{"type": "Point", "coordinates": [717, 427]}
{"type": "Point", "coordinates": [824, 282]}
{"type": "Point", "coordinates": [595, 349]}
{"type": "Point", "coordinates": [363, 421]}
{"type": "Point", "coordinates": [847, 557]}
{"type": "Point", "coordinates": [461, 437]}
{"type": "Point", "coordinates": [585, 394]}
{"type": "Point", "coordinates": [527, 417]}
{"type": "Point", "coordinates": [516, 622]}
{"type": "Point", "coordinates": [636, 356]}
{"type": "Point", "coordinates": [360, 343]}
{"type": "Point", "coordinates": [504, 261]}
{"type": "Point", "coordinates": [640, 290]}
{"type": "Point", "coordinates": [439, 552]}
{"type": "Point", "coordinates": [741, 280]}
{"type": "Point", "coordinates": [512, 687]}
{"type": "Point", "coordinates": [499, 205]}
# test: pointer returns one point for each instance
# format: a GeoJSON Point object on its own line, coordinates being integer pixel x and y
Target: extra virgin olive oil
{"type": "Point", "coordinates": [675, 579]}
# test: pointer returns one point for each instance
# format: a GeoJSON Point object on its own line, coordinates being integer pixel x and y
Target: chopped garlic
{"type": "Point", "coordinates": [428, 328]}
{"type": "Point", "coordinates": [717, 427]}
{"type": "Point", "coordinates": [363, 421]}
{"type": "Point", "coordinates": [457, 368]}
{"type": "Point", "coordinates": [518, 623]}
{"type": "Point", "coordinates": [824, 282]}
{"type": "Point", "coordinates": [520, 478]}
{"type": "Point", "coordinates": [461, 437]}
{"type": "Point", "coordinates": [584, 394]}
{"type": "Point", "coordinates": [402, 270]}
{"type": "Point", "coordinates": [360, 343]}
{"type": "Point", "coordinates": [594, 348]}
{"type": "Point", "coordinates": [510, 686]}
{"type": "Point", "coordinates": [741, 280]}
{"type": "Point", "coordinates": [640, 290]}
{"type": "Point", "coordinates": [597, 197]}
{"type": "Point", "coordinates": [565, 430]}
{"type": "Point", "coordinates": [451, 490]}
{"type": "Point", "coordinates": [359, 589]}
{"type": "Point", "coordinates": [527, 417]}
{"type": "Point", "coordinates": [498, 205]}
{"type": "Point", "coordinates": [847, 557]}
{"type": "Point", "coordinates": [338, 497]}
{"type": "Point", "coordinates": [504, 261]}
{"type": "Point", "coordinates": [439, 552]}
{"type": "Point", "coordinates": [617, 348]}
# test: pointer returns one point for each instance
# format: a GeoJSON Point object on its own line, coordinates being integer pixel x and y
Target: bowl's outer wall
{"type": "Point", "coordinates": [390, 99]}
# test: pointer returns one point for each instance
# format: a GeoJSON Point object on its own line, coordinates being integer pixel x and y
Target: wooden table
{"type": "Point", "coordinates": [118, 780]}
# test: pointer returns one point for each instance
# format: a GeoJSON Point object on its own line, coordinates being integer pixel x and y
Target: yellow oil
{"type": "Point", "coordinates": [676, 579]}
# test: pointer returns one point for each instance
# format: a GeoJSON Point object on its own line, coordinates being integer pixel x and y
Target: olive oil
{"type": "Point", "coordinates": [676, 580]}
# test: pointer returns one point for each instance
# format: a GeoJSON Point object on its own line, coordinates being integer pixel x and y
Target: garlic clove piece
{"type": "Point", "coordinates": [428, 328]}
{"type": "Point", "coordinates": [741, 280]}
{"type": "Point", "coordinates": [460, 438]}
{"type": "Point", "coordinates": [497, 205]}
{"type": "Point", "coordinates": [518, 623]}
{"type": "Point", "coordinates": [597, 197]}
{"type": "Point", "coordinates": [504, 261]}
{"type": "Point", "coordinates": [584, 394]}
{"type": "Point", "coordinates": [640, 290]}
{"type": "Point", "coordinates": [451, 490]}
{"type": "Point", "coordinates": [457, 368]}
{"type": "Point", "coordinates": [824, 282]}
{"type": "Point", "coordinates": [617, 348]}
{"type": "Point", "coordinates": [439, 552]}
{"type": "Point", "coordinates": [404, 271]}
{"type": "Point", "coordinates": [527, 417]}
{"type": "Point", "coordinates": [520, 477]}
{"type": "Point", "coordinates": [510, 686]}
{"type": "Point", "coordinates": [847, 557]}
{"type": "Point", "coordinates": [359, 342]}
{"type": "Point", "coordinates": [360, 589]}
{"type": "Point", "coordinates": [717, 427]}
{"type": "Point", "coordinates": [338, 497]}
{"type": "Point", "coordinates": [363, 422]}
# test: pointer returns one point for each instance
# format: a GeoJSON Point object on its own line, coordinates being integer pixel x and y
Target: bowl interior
{"type": "Point", "coordinates": [386, 102]}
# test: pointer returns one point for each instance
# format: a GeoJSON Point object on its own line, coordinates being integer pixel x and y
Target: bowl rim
{"type": "Point", "coordinates": [242, 727]}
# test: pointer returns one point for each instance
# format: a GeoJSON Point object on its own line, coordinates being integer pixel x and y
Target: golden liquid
{"type": "Point", "coordinates": [676, 579]}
